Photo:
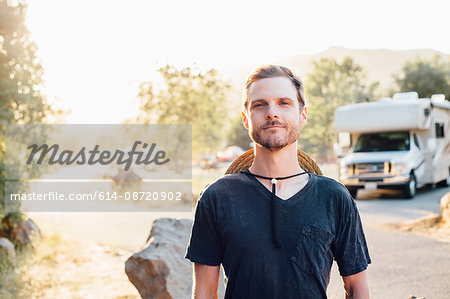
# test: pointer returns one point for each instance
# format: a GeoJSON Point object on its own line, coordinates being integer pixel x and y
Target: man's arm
{"type": "Point", "coordinates": [206, 281]}
{"type": "Point", "coordinates": [356, 286]}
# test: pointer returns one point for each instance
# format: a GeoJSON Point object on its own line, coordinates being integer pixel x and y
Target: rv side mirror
{"type": "Point", "coordinates": [431, 144]}
{"type": "Point", "coordinates": [338, 150]}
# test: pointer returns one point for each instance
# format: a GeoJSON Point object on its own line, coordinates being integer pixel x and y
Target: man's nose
{"type": "Point", "coordinates": [272, 112]}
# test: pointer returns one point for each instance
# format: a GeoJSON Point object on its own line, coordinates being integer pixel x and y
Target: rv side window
{"type": "Point", "coordinates": [439, 130]}
{"type": "Point", "coordinates": [416, 141]}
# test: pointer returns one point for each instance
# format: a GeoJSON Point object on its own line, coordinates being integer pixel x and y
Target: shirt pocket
{"type": "Point", "coordinates": [313, 245]}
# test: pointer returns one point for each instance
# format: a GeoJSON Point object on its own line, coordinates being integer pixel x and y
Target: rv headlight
{"type": "Point", "coordinates": [399, 168]}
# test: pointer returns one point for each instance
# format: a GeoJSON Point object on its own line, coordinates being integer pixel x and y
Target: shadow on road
{"type": "Point", "coordinates": [386, 194]}
{"type": "Point", "coordinates": [383, 206]}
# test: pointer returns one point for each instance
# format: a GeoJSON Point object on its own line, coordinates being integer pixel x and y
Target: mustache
{"type": "Point", "coordinates": [273, 123]}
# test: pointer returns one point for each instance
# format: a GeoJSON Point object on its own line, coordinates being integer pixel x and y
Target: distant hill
{"type": "Point", "coordinates": [380, 64]}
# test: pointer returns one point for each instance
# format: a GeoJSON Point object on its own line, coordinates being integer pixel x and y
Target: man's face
{"type": "Point", "coordinates": [273, 114]}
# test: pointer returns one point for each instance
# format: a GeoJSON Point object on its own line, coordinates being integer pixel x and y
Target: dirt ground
{"type": "Point", "coordinates": [433, 227]}
{"type": "Point", "coordinates": [64, 268]}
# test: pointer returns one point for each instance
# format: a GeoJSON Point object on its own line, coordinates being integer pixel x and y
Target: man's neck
{"type": "Point", "coordinates": [279, 163]}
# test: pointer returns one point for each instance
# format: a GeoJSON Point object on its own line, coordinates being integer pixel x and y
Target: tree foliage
{"type": "Point", "coordinates": [20, 71]}
{"type": "Point", "coordinates": [427, 77]}
{"type": "Point", "coordinates": [21, 101]}
{"type": "Point", "coordinates": [330, 85]}
{"type": "Point", "coordinates": [238, 135]}
{"type": "Point", "coordinates": [187, 96]}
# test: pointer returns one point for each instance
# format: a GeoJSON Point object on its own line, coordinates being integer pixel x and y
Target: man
{"type": "Point", "coordinates": [276, 238]}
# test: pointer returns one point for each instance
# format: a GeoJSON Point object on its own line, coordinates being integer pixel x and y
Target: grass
{"type": "Point", "coordinates": [12, 282]}
{"type": "Point", "coordinates": [15, 281]}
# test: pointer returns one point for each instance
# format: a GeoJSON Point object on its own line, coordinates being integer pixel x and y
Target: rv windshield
{"type": "Point", "coordinates": [380, 142]}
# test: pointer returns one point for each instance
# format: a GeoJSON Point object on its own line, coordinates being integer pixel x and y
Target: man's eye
{"type": "Point", "coordinates": [257, 105]}
{"type": "Point", "coordinates": [284, 103]}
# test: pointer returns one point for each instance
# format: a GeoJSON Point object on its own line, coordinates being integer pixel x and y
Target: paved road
{"type": "Point", "coordinates": [403, 264]}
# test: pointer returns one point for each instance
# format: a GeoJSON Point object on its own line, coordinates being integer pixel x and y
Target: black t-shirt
{"type": "Point", "coordinates": [232, 227]}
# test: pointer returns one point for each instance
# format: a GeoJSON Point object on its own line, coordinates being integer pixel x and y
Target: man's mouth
{"type": "Point", "coordinates": [272, 127]}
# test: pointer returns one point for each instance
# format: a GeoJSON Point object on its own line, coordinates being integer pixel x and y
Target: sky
{"type": "Point", "coordinates": [95, 53]}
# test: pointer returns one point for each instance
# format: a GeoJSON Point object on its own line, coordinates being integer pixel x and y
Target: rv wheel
{"type": "Point", "coordinates": [444, 183]}
{"type": "Point", "coordinates": [410, 190]}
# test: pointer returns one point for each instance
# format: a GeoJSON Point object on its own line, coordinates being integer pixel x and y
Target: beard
{"type": "Point", "coordinates": [275, 141]}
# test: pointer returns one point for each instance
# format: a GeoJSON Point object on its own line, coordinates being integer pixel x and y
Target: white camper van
{"type": "Point", "coordinates": [401, 142]}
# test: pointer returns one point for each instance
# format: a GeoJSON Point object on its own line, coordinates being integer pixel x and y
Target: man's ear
{"type": "Point", "coordinates": [303, 116]}
{"type": "Point", "coordinates": [245, 119]}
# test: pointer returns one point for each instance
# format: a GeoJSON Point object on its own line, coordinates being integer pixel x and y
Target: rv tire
{"type": "Point", "coordinates": [410, 189]}
{"type": "Point", "coordinates": [444, 183]}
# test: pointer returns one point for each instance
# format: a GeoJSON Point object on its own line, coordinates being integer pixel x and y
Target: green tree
{"type": "Point", "coordinates": [21, 101]}
{"type": "Point", "coordinates": [330, 85]}
{"type": "Point", "coordinates": [238, 135]}
{"type": "Point", "coordinates": [427, 77]}
{"type": "Point", "coordinates": [187, 96]}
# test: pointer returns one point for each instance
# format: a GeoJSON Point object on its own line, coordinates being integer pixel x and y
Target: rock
{"type": "Point", "coordinates": [126, 178]}
{"type": "Point", "coordinates": [160, 270]}
{"type": "Point", "coordinates": [148, 276]}
{"type": "Point", "coordinates": [7, 252]}
{"type": "Point", "coordinates": [24, 232]}
{"type": "Point", "coordinates": [445, 208]}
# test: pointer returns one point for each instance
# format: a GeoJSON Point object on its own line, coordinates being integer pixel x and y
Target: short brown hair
{"type": "Point", "coordinates": [271, 71]}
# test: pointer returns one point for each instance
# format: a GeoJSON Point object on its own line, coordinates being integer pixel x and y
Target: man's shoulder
{"type": "Point", "coordinates": [329, 183]}
{"type": "Point", "coordinates": [223, 185]}
{"type": "Point", "coordinates": [332, 188]}
{"type": "Point", "coordinates": [337, 196]}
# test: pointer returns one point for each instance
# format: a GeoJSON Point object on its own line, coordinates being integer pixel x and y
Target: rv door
{"type": "Point", "coordinates": [428, 154]}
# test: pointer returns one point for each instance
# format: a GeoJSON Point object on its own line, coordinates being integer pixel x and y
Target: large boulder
{"type": "Point", "coordinates": [160, 270]}
{"type": "Point", "coordinates": [7, 253]}
{"type": "Point", "coordinates": [445, 208]}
